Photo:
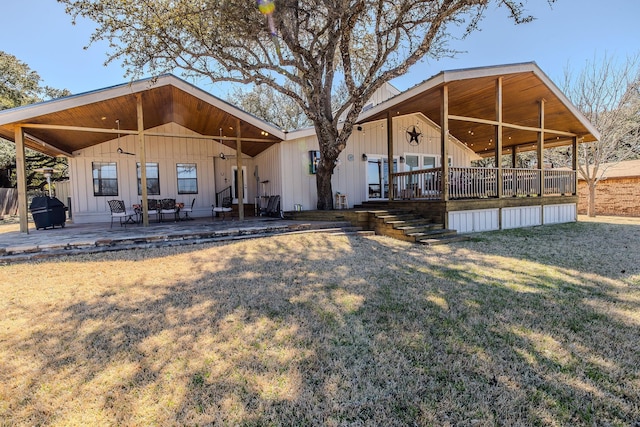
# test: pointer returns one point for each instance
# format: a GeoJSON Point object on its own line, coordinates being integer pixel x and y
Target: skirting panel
{"type": "Point", "coordinates": [522, 216]}
{"type": "Point", "coordinates": [556, 214]}
{"type": "Point", "coordinates": [473, 221]}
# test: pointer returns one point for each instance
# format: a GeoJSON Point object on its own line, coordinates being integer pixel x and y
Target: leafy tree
{"type": "Point", "coordinates": [607, 92]}
{"type": "Point", "coordinates": [20, 85]}
{"type": "Point", "coordinates": [302, 49]}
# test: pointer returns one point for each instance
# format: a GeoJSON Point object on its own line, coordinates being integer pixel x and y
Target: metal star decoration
{"type": "Point", "coordinates": [413, 135]}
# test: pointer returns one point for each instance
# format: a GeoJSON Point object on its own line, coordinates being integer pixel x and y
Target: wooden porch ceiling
{"type": "Point", "coordinates": [472, 94]}
{"type": "Point", "coordinates": [171, 101]}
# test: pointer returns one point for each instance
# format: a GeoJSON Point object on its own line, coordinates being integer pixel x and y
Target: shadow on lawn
{"type": "Point", "coordinates": [323, 330]}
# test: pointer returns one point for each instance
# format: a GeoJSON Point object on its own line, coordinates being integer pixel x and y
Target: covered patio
{"type": "Point", "coordinates": [71, 125]}
{"type": "Point", "coordinates": [493, 111]}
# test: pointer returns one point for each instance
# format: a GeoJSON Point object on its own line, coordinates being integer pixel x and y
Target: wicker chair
{"type": "Point", "coordinates": [223, 209]}
{"type": "Point", "coordinates": [168, 206]}
{"type": "Point", "coordinates": [119, 210]}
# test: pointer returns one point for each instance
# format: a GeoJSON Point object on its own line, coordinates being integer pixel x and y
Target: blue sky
{"type": "Point", "coordinates": [569, 33]}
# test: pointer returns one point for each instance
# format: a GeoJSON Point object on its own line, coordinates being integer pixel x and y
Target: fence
{"type": "Point", "coordinates": [479, 183]}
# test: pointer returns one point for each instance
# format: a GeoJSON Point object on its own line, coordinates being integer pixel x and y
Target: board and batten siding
{"type": "Point", "coordinates": [521, 216]}
{"type": "Point", "coordinates": [474, 220]}
{"type": "Point", "coordinates": [167, 152]}
{"type": "Point", "coordinates": [350, 174]}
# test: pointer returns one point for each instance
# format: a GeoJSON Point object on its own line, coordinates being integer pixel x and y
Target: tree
{"type": "Point", "coordinates": [607, 92]}
{"type": "Point", "coordinates": [302, 49]}
{"type": "Point", "coordinates": [270, 105]}
{"type": "Point", "coordinates": [20, 85]}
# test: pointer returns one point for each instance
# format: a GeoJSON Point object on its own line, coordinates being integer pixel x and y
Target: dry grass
{"type": "Point", "coordinates": [525, 327]}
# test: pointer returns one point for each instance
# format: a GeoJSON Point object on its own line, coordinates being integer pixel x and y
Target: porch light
{"type": "Point", "coordinates": [364, 157]}
{"type": "Point", "coordinates": [222, 156]}
{"type": "Point", "coordinates": [401, 159]}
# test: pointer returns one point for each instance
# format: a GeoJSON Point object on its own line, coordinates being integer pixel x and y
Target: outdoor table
{"type": "Point", "coordinates": [137, 208]}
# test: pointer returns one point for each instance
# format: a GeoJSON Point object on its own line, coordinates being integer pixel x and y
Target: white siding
{"type": "Point", "coordinates": [474, 221]}
{"type": "Point", "coordinates": [213, 173]}
{"type": "Point", "coordinates": [349, 177]}
{"type": "Point", "coordinates": [556, 214]}
{"type": "Point", "coordinates": [525, 216]}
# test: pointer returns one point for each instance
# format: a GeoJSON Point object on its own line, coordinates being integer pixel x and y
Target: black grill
{"type": "Point", "coordinates": [47, 212]}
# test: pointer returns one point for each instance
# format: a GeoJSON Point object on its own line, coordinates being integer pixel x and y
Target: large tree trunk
{"type": "Point", "coordinates": [324, 189]}
{"type": "Point", "coordinates": [330, 148]}
{"type": "Point", "coordinates": [591, 205]}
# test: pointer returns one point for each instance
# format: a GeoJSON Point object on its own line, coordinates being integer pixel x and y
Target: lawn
{"type": "Point", "coordinates": [527, 327]}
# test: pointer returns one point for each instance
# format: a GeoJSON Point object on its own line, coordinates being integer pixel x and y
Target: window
{"type": "Point", "coordinates": [105, 179]}
{"type": "Point", "coordinates": [187, 178]}
{"type": "Point", "coordinates": [153, 179]}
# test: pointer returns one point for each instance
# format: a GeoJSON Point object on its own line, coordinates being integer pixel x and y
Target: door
{"type": "Point", "coordinates": [378, 177]}
{"type": "Point", "coordinates": [234, 186]}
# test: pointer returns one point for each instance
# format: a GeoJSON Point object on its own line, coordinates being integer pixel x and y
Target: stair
{"type": "Point", "coordinates": [411, 227]}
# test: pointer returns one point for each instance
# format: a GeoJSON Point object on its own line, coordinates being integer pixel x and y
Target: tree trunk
{"type": "Point", "coordinates": [591, 206]}
{"type": "Point", "coordinates": [323, 188]}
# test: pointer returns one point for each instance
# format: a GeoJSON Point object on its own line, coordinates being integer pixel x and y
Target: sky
{"type": "Point", "coordinates": [567, 34]}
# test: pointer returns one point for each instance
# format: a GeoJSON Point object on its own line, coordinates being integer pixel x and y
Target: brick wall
{"type": "Point", "coordinates": [614, 196]}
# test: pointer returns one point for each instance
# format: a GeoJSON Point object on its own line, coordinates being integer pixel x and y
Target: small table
{"type": "Point", "coordinates": [137, 208]}
{"type": "Point", "coordinates": [341, 201]}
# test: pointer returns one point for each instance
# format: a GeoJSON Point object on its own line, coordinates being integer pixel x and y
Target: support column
{"type": "Point", "coordinates": [240, 180]}
{"type": "Point", "coordinates": [391, 194]}
{"type": "Point", "coordinates": [574, 163]}
{"type": "Point", "coordinates": [498, 137]}
{"type": "Point", "coordinates": [143, 160]}
{"type": "Point", "coordinates": [444, 143]}
{"type": "Point", "coordinates": [514, 156]}
{"type": "Point", "coordinates": [541, 144]}
{"type": "Point", "coordinates": [21, 175]}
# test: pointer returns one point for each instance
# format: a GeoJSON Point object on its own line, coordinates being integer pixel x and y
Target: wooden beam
{"type": "Point", "coordinates": [135, 132]}
{"type": "Point", "coordinates": [574, 162]}
{"type": "Point", "coordinates": [47, 145]}
{"type": "Point", "coordinates": [511, 125]}
{"type": "Point", "coordinates": [240, 180]}
{"type": "Point", "coordinates": [21, 176]}
{"type": "Point", "coordinates": [143, 160]}
{"type": "Point", "coordinates": [391, 194]}
{"type": "Point", "coordinates": [498, 137]}
{"type": "Point", "coordinates": [540, 147]}
{"type": "Point", "coordinates": [444, 144]}
{"type": "Point", "coordinates": [80, 129]}
{"type": "Point", "coordinates": [209, 137]}
{"type": "Point", "coordinates": [514, 156]}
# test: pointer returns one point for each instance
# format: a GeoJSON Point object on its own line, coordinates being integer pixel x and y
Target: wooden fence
{"type": "Point", "coordinates": [8, 201]}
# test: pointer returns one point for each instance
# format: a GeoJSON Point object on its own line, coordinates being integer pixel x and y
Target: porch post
{"type": "Point", "coordinates": [392, 194]}
{"type": "Point", "coordinates": [574, 163]}
{"type": "Point", "coordinates": [541, 145]}
{"type": "Point", "coordinates": [498, 136]}
{"type": "Point", "coordinates": [143, 160]}
{"type": "Point", "coordinates": [21, 175]}
{"type": "Point", "coordinates": [444, 142]}
{"type": "Point", "coordinates": [514, 156]}
{"type": "Point", "coordinates": [240, 180]}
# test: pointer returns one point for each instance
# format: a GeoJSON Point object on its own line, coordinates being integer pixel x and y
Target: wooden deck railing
{"type": "Point", "coordinates": [477, 183]}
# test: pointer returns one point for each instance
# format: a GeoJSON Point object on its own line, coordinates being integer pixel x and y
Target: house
{"type": "Point", "coordinates": [413, 148]}
{"type": "Point", "coordinates": [617, 192]}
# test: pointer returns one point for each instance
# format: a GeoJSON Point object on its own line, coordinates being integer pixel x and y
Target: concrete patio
{"type": "Point", "coordinates": [99, 237]}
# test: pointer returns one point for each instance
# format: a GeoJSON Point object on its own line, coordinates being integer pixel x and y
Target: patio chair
{"type": "Point", "coordinates": [153, 208]}
{"type": "Point", "coordinates": [273, 207]}
{"type": "Point", "coordinates": [168, 206]}
{"type": "Point", "coordinates": [187, 209]}
{"type": "Point", "coordinates": [119, 210]}
{"type": "Point", "coordinates": [223, 209]}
